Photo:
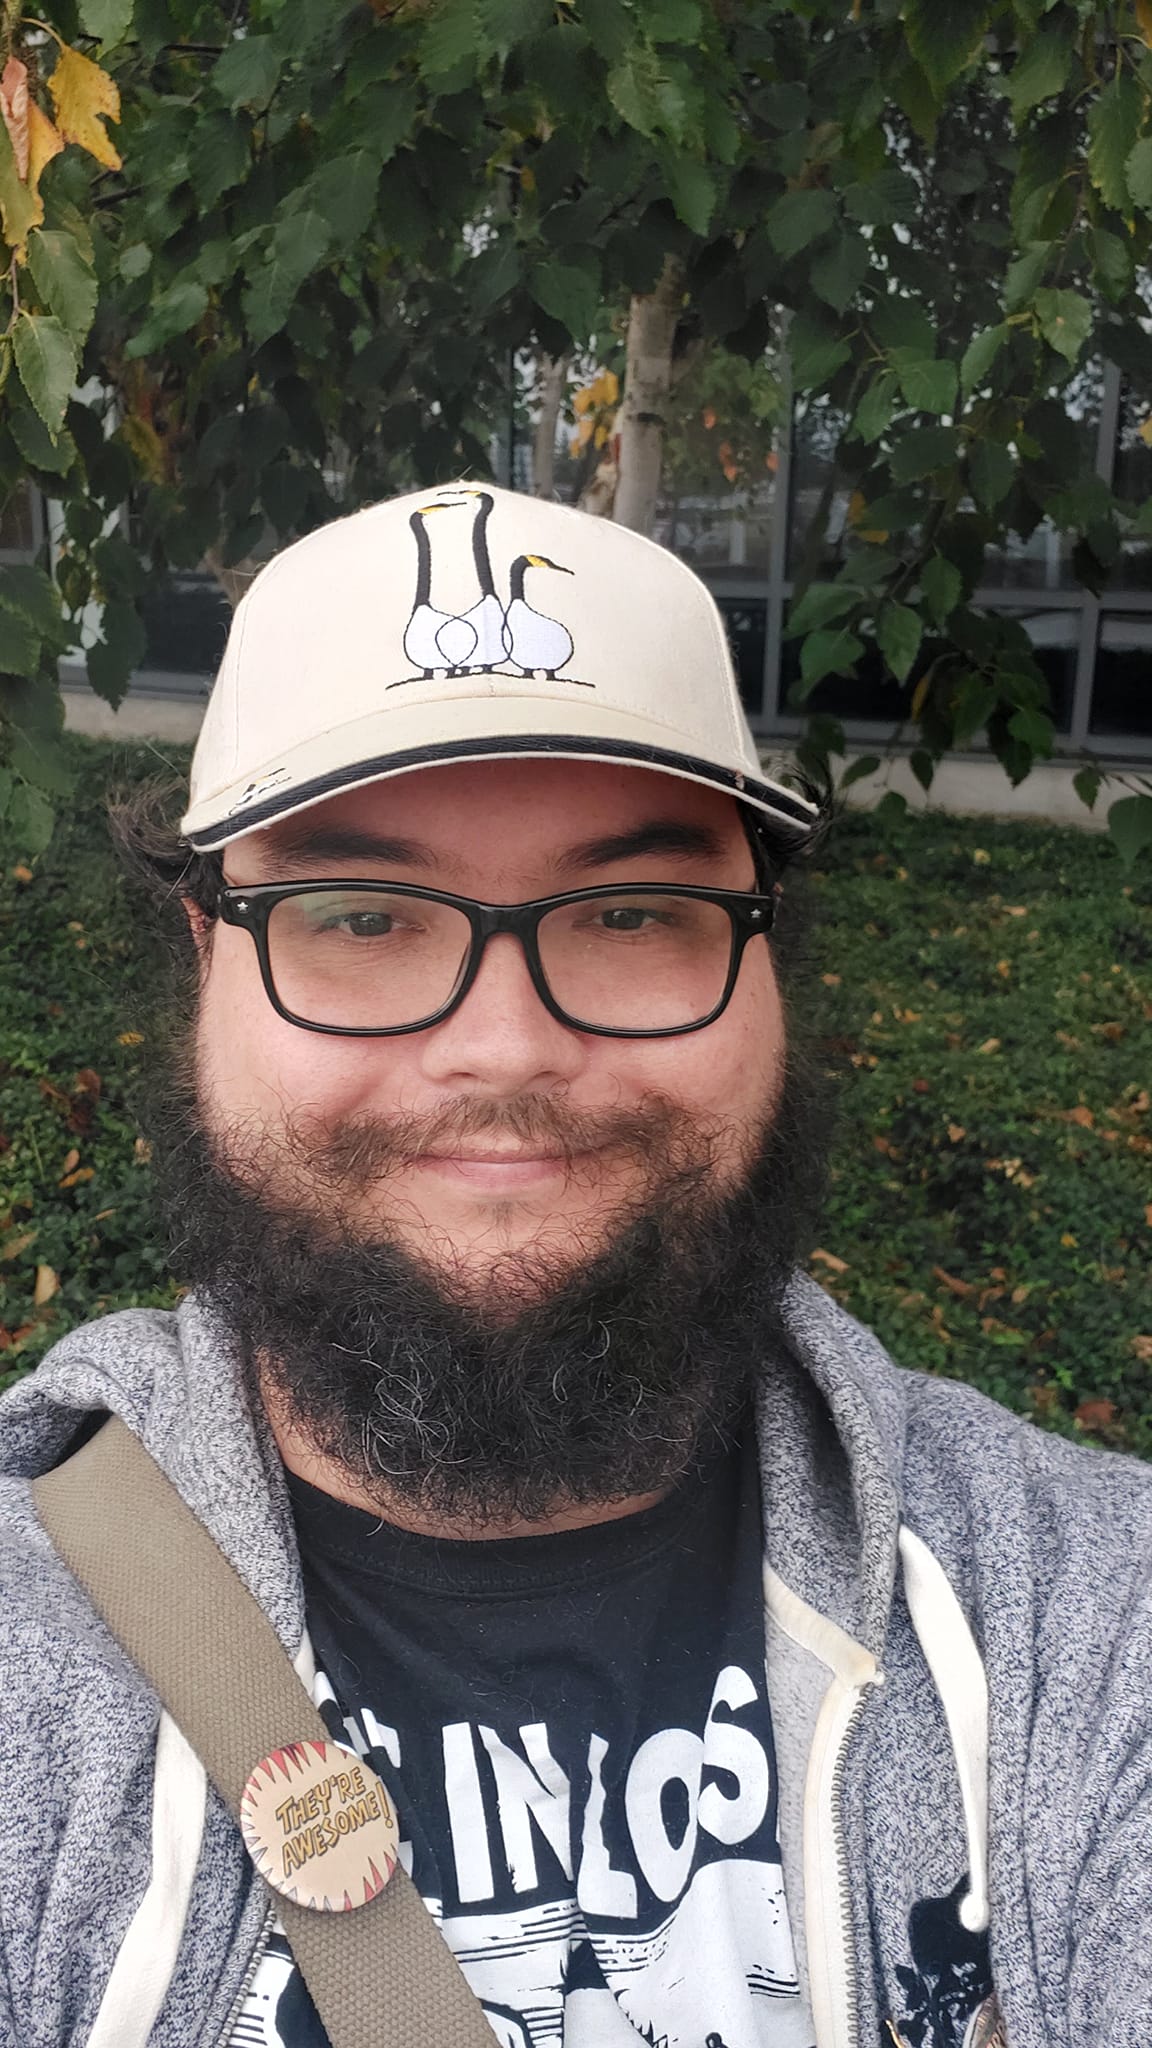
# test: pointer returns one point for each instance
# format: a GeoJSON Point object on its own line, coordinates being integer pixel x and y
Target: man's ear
{"type": "Point", "coordinates": [200, 925]}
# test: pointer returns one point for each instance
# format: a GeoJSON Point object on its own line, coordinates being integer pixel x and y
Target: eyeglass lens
{"type": "Point", "coordinates": [376, 961]}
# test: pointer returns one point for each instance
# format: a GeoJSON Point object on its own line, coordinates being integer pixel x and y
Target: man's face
{"type": "Point", "coordinates": [521, 1136]}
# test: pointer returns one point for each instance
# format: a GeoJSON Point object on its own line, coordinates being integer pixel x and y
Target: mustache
{"type": "Point", "coordinates": [354, 1153]}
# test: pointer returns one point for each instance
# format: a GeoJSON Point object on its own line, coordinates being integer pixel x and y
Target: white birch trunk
{"type": "Point", "coordinates": [652, 322]}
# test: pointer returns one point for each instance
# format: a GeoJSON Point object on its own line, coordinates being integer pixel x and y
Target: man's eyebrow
{"type": "Point", "coordinates": [671, 838]}
{"type": "Point", "coordinates": [313, 848]}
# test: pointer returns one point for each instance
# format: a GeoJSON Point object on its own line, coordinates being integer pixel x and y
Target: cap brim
{"type": "Point", "coordinates": [386, 744]}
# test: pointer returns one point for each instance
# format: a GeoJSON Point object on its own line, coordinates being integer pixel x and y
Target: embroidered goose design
{"type": "Point", "coordinates": [433, 639]}
{"type": "Point", "coordinates": [538, 644]}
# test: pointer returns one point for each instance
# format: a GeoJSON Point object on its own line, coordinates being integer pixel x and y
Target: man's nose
{"type": "Point", "coordinates": [502, 1037]}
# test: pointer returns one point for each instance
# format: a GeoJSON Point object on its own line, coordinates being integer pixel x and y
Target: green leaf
{"type": "Point", "coordinates": [1086, 782]}
{"type": "Point", "coordinates": [1112, 262]}
{"type": "Point", "coordinates": [1130, 823]}
{"type": "Point", "coordinates": [36, 444]}
{"type": "Point", "coordinates": [64, 279]}
{"type": "Point", "coordinates": [922, 452]}
{"type": "Point", "coordinates": [980, 355]}
{"type": "Point", "coordinates": [923, 767]}
{"type": "Point", "coordinates": [33, 595]}
{"type": "Point", "coordinates": [609, 25]}
{"type": "Point", "coordinates": [892, 808]}
{"type": "Point", "coordinates": [880, 201]}
{"type": "Point", "coordinates": [173, 313]}
{"type": "Point", "coordinates": [30, 819]}
{"type": "Point", "coordinates": [646, 95]}
{"type": "Point", "coordinates": [284, 492]}
{"type": "Point", "coordinates": [494, 273]}
{"type": "Point", "coordinates": [7, 784]}
{"type": "Point", "coordinates": [991, 470]}
{"type": "Point", "coordinates": [693, 190]}
{"type": "Point", "coordinates": [19, 645]}
{"type": "Point", "coordinates": [1042, 67]}
{"type": "Point", "coordinates": [134, 261]}
{"type": "Point", "coordinates": [818, 605]}
{"type": "Point", "coordinates": [344, 193]}
{"type": "Point", "coordinates": [673, 21]}
{"type": "Point", "coordinates": [453, 37]}
{"type": "Point", "coordinates": [246, 74]}
{"type": "Point", "coordinates": [1138, 174]}
{"type": "Point", "coordinates": [942, 587]}
{"type": "Point", "coordinates": [817, 350]}
{"type": "Point", "coordinates": [857, 770]}
{"type": "Point", "coordinates": [1024, 274]}
{"type": "Point", "coordinates": [1114, 118]}
{"type": "Point", "coordinates": [927, 386]}
{"type": "Point", "coordinates": [46, 360]}
{"type": "Point", "coordinates": [504, 23]}
{"type": "Point", "coordinates": [570, 295]}
{"type": "Point", "coordinates": [219, 159]}
{"type": "Point", "coordinates": [108, 20]}
{"type": "Point", "coordinates": [298, 245]}
{"type": "Point", "coordinates": [972, 705]}
{"type": "Point", "coordinates": [831, 651]}
{"type": "Point", "coordinates": [1065, 320]}
{"type": "Point", "coordinates": [18, 208]}
{"type": "Point", "coordinates": [898, 636]}
{"type": "Point", "coordinates": [875, 410]}
{"type": "Point", "coordinates": [1034, 729]}
{"type": "Point", "coordinates": [838, 273]}
{"type": "Point", "coordinates": [798, 219]}
{"type": "Point", "coordinates": [944, 39]}
{"type": "Point", "coordinates": [119, 650]}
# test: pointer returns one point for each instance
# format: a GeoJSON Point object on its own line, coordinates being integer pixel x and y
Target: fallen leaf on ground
{"type": "Point", "coordinates": [131, 1038]}
{"type": "Point", "coordinates": [1142, 1347]}
{"type": "Point", "coordinates": [963, 1288]}
{"type": "Point", "coordinates": [830, 1260]}
{"type": "Point", "coordinates": [13, 1246]}
{"type": "Point", "coordinates": [47, 1284]}
{"type": "Point", "coordinates": [956, 1132]}
{"type": "Point", "coordinates": [1081, 1115]}
{"type": "Point", "coordinates": [20, 873]}
{"type": "Point", "coordinates": [1069, 1240]}
{"type": "Point", "coordinates": [989, 1045]}
{"type": "Point", "coordinates": [829, 980]}
{"type": "Point", "coordinates": [71, 1160]}
{"type": "Point", "coordinates": [1096, 1414]}
{"type": "Point", "coordinates": [73, 1180]}
{"type": "Point", "coordinates": [981, 858]}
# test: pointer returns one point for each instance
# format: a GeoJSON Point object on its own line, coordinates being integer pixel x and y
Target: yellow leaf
{"type": "Point", "coordinates": [920, 692]}
{"type": "Point", "coordinates": [131, 1038]}
{"type": "Point", "coordinates": [47, 1284]}
{"type": "Point", "coordinates": [1069, 1240]}
{"type": "Point", "coordinates": [980, 857]}
{"type": "Point", "coordinates": [990, 1045]}
{"type": "Point", "coordinates": [830, 1260]}
{"type": "Point", "coordinates": [1144, 20]}
{"type": "Point", "coordinates": [1145, 431]}
{"type": "Point", "coordinates": [44, 142]}
{"type": "Point", "coordinates": [582, 401]}
{"type": "Point", "coordinates": [527, 178]}
{"type": "Point", "coordinates": [14, 107]}
{"type": "Point", "coordinates": [146, 446]}
{"type": "Point", "coordinates": [85, 97]}
{"type": "Point", "coordinates": [600, 436]}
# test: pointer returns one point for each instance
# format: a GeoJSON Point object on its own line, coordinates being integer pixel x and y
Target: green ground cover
{"type": "Point", "coordinates": [983, 990]}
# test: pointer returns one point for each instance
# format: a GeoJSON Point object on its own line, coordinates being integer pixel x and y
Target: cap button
{"type": "Point", "coordinates": [319, 1826]}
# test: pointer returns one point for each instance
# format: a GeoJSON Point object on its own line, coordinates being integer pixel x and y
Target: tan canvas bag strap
{"type": "Point", "coordinates": [381, 1976]}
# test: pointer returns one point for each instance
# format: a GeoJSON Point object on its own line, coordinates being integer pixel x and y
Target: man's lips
{"type": "Point", "coordinates": [499, 1167]}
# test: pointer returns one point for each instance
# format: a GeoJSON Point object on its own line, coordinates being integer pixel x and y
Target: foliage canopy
{"type": "Point", "coordinates": [266, 264]}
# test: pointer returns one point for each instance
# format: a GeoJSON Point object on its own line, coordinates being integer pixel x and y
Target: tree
{"type": "Point", "coordinates": [335, 223]}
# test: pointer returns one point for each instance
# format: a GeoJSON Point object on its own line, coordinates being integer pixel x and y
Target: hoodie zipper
{"type": "Point", "coordinates": [844, 1881]}
{"type": "Point", "coordinates": [257, 1957]}
{"type": "Point", "coordinates": [833, 1968]}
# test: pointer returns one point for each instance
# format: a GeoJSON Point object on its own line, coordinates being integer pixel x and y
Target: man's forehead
{"type": "Point", "coordinates": [565, 813]}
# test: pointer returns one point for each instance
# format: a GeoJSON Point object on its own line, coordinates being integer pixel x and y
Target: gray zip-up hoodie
{"type": "Point", "coordinates": [959, 1649]}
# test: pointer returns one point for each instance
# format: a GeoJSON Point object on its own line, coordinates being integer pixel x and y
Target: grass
{"type": "Point", "coordinates": [983, 989]}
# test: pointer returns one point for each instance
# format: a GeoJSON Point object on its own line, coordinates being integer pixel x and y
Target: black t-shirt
{"type": "Point", "coordinates": [576, 1734]}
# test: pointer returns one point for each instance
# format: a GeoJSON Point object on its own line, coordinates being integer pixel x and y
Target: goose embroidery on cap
{"type": "Point", "coordinates": [488, 637]}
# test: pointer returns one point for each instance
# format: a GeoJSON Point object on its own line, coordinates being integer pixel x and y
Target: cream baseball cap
{"type": "Point", "coordinates": [469, 622]}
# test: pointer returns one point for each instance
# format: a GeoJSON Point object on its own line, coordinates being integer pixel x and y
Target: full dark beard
{"type": "Point", "coordinates": [598, 1385]}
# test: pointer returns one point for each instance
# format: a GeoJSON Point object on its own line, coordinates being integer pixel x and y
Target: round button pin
{"type": "Point", "coordinates": [319, 1826]}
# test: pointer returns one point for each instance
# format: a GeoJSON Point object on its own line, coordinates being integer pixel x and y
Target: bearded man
{"type": "Point", "coordinates": [730, 1687]}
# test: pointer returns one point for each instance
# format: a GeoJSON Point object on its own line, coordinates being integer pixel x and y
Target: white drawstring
{"type": "Point", "coordinates": [958, 1673]}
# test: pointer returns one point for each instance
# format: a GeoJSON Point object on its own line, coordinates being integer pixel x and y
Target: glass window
{"type": "Point", "coordinates": [726, 534]}
{"type": "Point", "coordinates": [186, 620]}
{"type": "Point", "coordinates": [818, 513]}
{"type": "Point", "coordinates": [1122, 692]}
{"type": "Point", "coordinates": [745, 619]}
{"type": "Point", "coordinates": [1055, 637]}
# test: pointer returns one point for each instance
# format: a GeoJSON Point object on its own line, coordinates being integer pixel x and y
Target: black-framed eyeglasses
{"type": "Point", "coordinates": [375, 959]}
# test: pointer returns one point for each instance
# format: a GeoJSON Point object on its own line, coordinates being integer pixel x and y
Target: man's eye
{"type": "Point", "coordinates": [626, 918]}
{"type": "Point", "coordinates": [362, 924]}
